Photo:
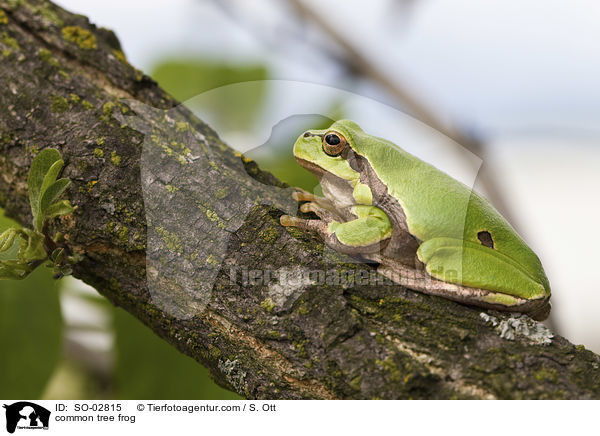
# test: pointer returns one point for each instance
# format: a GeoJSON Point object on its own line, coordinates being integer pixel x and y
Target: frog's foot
{"type": "Point", "coordinates": [317, 226]}
{"type": "Point", "coordinates": [325, 214]}
{"type": "Point", "coordinates": [323, 230]}
{"type": "Point", "coordinates": [301, 223]}
{"type": "Point", "coordinates": [302, 195]}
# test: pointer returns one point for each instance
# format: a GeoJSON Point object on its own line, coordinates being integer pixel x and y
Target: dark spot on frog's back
{"type": "Point", "coordinates": [485, 238]}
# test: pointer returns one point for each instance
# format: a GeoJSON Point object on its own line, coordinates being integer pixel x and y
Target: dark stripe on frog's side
{"type": "Point", "coordinates": [402, 246]}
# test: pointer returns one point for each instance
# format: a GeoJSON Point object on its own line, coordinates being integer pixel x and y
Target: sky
{"type": "Point", "coordinates": [505, 67]}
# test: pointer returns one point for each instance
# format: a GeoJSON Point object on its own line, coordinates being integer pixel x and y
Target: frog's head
{"type": "Point", "coordinates": [326, 151]}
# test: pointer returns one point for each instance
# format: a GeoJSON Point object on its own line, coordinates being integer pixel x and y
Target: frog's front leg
{"type": "Point", "coordinates": [318, 202]}
{"type": "Point", "coordinates": [320, 226]}
{"type": "Point", "coordinates": [368, 231]}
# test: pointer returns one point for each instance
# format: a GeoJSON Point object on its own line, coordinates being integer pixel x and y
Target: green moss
{"type": "Point", "coordinates": [221, 193]}
{"type": "Point", "coordinates": [98, 152]}
{"type": "Point", "coordinates": [79, 36]}
{"type": "Point", "coordinates": [269, 235]}
{"type": "Point", "coordinates": [182, 126]}
{"type": "Point", "coordinates": [267, 304]}
{"type": "Point", "coordinates": [355, 382]}
{"type": "Point", "coordinates": [3, 17]}
{"type": "Point", "coordinates": [212, 260]}
{"type": "Point", "coordinates": [46, 56]}
{"type": "Point", "coordinates": [86, 104]}
{"type": "Point", "coordinates": [107, 108]}
{"type": "Point", "coordinates": [115, 159]}
{"type": "Point", "coordinates": [274, 334]}
{"type": "Point", "coordinates": [123, 234]}
{"type": "Point", "coordinates": [302, 309]}
{"type": "Point", "coordinates": [300, 347]}
{"type": "Point", "coordinates": [6, 53]}
{"type": "Point", "coordinates": [171, 240]}
{"type": "Point", "coordinates": [167, 150]}
{"type": "Point", "coordinates": [180, 147]}
{"type": "Point", "coordinates": [171, 188]}
{"type": "Point", "coordinates": [74, 98]}
{"type": "Point", "coordinates": [82, 165]}
{"type": "Point", "coordinates": [10, 42]}
{"type": "Point", "coordinates": [119, 55]}
{"type": "Point", "coordinates": [395, 373]}
{"type": "Point", "coordinates": [214, 352]}
{"type": "Point", "coordinates": [44, 11]}
{"type": "Point", "coordinates": [212, 215]}
{"type": "Point", "coordinates": [547, 374]}
{"type": "Point", "coordinates": [175, 149]}
{"type": "Point", "coordinates": [59, 104]}
{"type": "Point", "coordinates": [397, 317]}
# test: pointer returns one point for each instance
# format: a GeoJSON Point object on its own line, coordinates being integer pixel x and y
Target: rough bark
{"type": "Point", "coordinates": [66, 84]}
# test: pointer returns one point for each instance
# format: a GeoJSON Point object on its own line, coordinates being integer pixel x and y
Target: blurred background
{"type": "Point", "coordinates": [515, 83]}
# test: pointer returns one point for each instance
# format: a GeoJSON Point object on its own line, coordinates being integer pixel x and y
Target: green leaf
{"type": "Point", "coordinates": [49, 196]}
{"type": "Point", "coordinates": [147, 367]}
{"type": "Point", "coordinates": [7, 238]}
{"type": "Point", "coordinates": [34, 248]}
{"type": "Point", "coordinates": [30, 329]}
{"type": "Point", "coordinates": [30, 334]}
{"type": "Point", "coordinates": [51, 176]}
{"type": "Point", "coordinates": [40, 166]}
{"type": "Point", "coordinates": [58, 255]}
{"type": "Point", "coordinates": [61, 208]}
{"type": "Point", "coordinates": [14, 269]}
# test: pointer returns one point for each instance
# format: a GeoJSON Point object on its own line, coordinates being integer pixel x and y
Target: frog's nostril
{"type": "Point", "coordinates": [307, 134]}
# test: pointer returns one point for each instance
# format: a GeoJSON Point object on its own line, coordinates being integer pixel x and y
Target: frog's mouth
{"type": "Point", "coordinates": [318, 171]}
{"type": "Point", "coordinates": [312, 167]}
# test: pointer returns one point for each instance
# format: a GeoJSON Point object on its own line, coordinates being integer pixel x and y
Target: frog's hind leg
{"type": "Point", "coordinates": [420, 280]}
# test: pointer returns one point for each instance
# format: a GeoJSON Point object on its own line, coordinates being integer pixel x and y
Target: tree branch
{"type": "Point", "coordinates": [173, 226]}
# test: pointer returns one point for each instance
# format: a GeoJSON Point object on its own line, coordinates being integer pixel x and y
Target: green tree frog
{"type": "Point", "coordinates": [426, 230]}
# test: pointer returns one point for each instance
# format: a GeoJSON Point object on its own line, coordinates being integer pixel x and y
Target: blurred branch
{"type": "Point", "coordinates": [99, 364]}
{"type": "Point", "coordinates": [64, 80]}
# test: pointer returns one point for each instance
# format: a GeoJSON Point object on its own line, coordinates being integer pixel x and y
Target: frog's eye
{"type": "Point", "coordinates": [334, 143]}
